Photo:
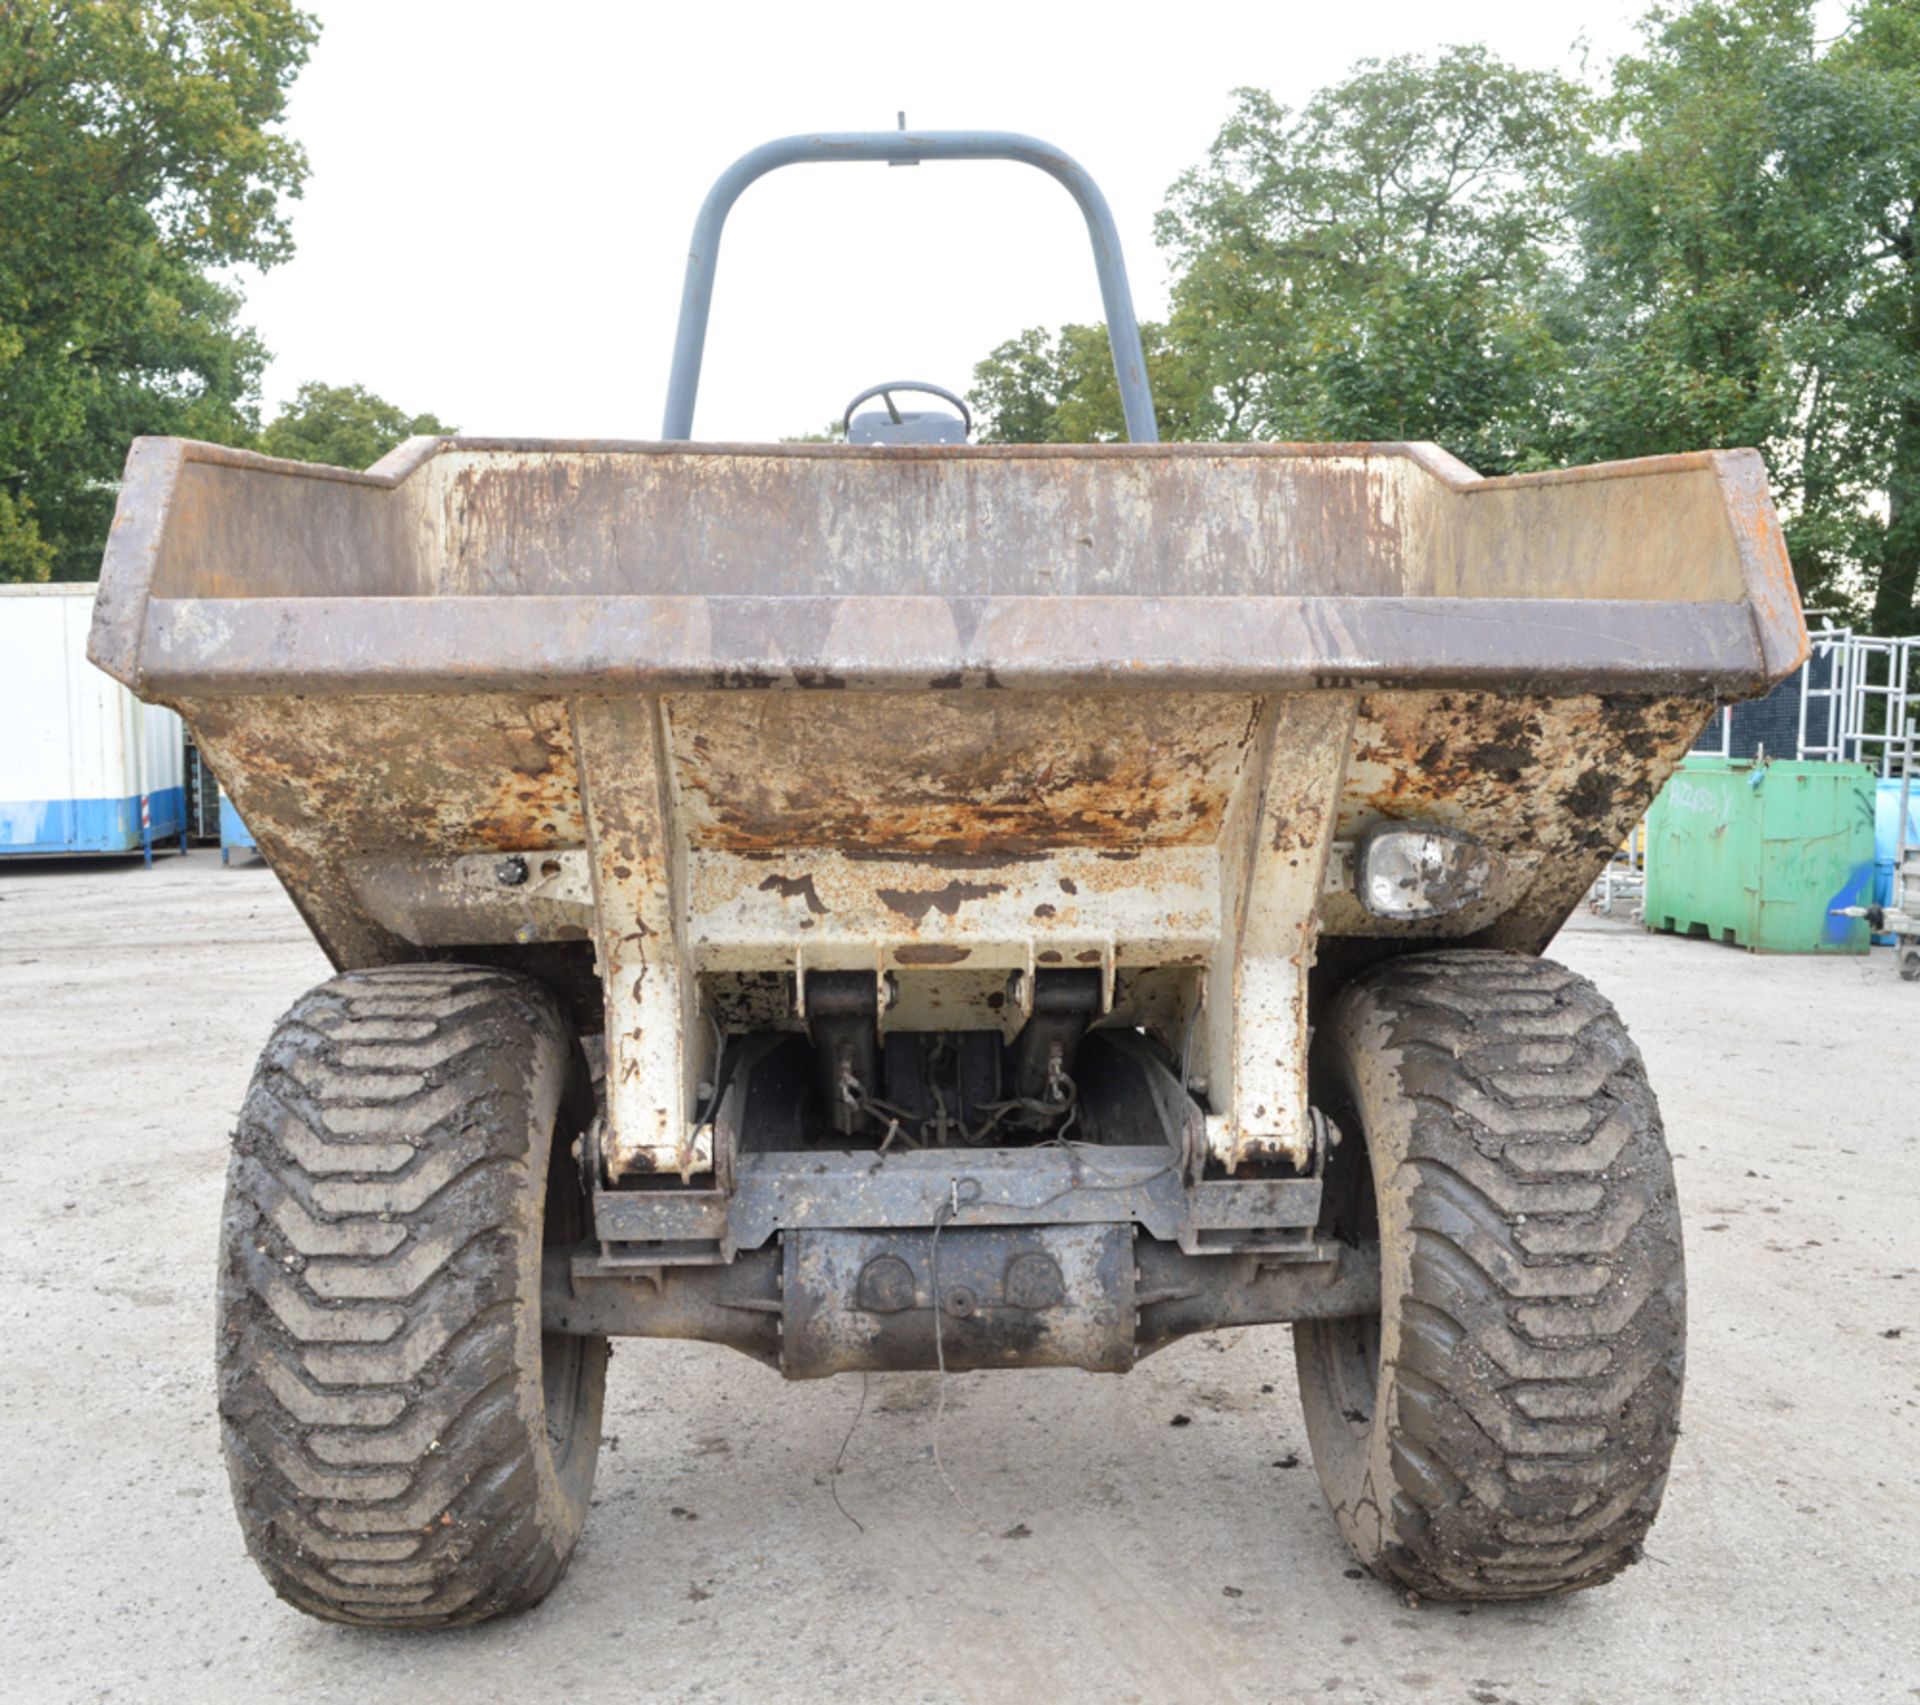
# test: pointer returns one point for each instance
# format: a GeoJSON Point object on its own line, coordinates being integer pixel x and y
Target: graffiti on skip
{"type": "Point", "coordinates": [1684, 795]}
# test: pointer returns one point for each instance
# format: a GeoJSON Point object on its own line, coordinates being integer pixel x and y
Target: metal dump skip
{"type": "Point", "coordinates": [749, 712]}
{"type": "Point", "coordinates": [1761, 854]}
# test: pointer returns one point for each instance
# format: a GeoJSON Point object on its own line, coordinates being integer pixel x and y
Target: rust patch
{"type": "Point", "coordinates": [1468, 757]}
{"type": "Point", "coordinates": [940, 859]}
{"type": "Point", "coordinates": [916, 903]}
{"type": "Point", "coordinates": [1551, 783]}
{"type": "Point", "coordinates": [1591, 795]}
{"type": "Point", "coordinates": [324, 779]}
{"type": "Point", "coordinates": [957, 775]}
{"type": "Point", "coordinates": [1507, 755]}
{"type": "Point", "coordinates": [1300, 830]}
{"type": "Point", "coordinates": [461, 773]}
{"type": "Point", "coordinates": [537, 783]}
{"type": "Point", "coordinates": [930, 953]}
{"type": "Point", "coordinates": [796, 888]}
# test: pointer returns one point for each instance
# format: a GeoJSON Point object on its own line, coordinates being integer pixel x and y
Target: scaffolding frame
{"type": "Point", "coordinates": [1867, 670]}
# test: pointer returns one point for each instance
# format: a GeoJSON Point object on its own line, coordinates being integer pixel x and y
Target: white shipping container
{"type": "Point", "coordinates": [85, 767]}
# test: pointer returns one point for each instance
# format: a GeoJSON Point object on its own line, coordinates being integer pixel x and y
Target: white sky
{"type": "Point", "coordinates": [501, 193]}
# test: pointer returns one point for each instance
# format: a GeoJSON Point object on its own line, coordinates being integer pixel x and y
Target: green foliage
{"type": "Point", "coordinates": [1850, 146]}
{"type": "Point", "coordinates": [344, 426]}
{"type": "Point", "coordinates": [1377, 265]}
{"type": "Point", "coordinates": [1751, 242]}
{"type": "Point", "coordinates": [1061, 389]}
{"type": "Point", "coordinates": [138, 153]}
{"type": "Point", "coordinates": [1697, 251]}
{"type": "Point", "coordinates": [1722, 249]}
{"type": "Point", "coordinates": [24, 555]}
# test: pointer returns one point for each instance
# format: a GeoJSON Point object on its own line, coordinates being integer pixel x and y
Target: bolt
{"type": "Point", "coordinates": [510, 872]}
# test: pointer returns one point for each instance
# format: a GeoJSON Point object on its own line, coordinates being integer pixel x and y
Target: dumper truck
{"type": "Point", "coordinates": [919, 904]}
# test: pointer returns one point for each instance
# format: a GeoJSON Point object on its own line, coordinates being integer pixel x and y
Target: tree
{"type": "Point", "coordinates": [344, 426]}
{"type": "Point", "coordinates": [1061, 388]}
{"type": "Point", "coordinates": [24, 555]}
{"type": "Point", "coordinates": [1378, 265]}
{"type": "Point", "coordinates": [1750, 234]}
{"type": "Point", "coordinates": [1696, 259]}
{"type": "Point", "coordinates": [1381, 265]}
{"type": "Point", "coordinates": [138, 154]}
{"type": "Point", "coordinates": [1851, 150]}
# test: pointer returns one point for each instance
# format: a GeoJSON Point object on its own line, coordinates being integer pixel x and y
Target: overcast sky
{"type": "Point", "coordinates": [501, 193]}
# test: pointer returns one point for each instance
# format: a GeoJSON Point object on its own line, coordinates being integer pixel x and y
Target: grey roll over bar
{"type": "Point", "coordinates": [908, 148]}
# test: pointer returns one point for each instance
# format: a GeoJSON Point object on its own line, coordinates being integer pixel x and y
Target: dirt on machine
{"type": "Point", "coordinates": [920, 904]}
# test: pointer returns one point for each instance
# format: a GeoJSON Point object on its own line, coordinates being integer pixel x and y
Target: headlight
{"type": "Point", "coordinates": [1417, 870]}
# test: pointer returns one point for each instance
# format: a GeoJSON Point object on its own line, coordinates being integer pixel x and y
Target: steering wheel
{"type": "Point", "coordinates": [896, 417]}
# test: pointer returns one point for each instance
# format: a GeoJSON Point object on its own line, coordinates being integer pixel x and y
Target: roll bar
{"type": "Point", "coordinates": [908, 148]}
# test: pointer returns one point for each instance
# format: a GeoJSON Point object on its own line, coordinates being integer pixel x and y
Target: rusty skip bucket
{"type": "Point", "coordinates": [682, 724]}
{"type": "Point", "coordinates": [946, 716]}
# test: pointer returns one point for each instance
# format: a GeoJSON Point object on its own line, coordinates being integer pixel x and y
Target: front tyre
{"type": "Point", "coordinates": [1502, 1427]}
{"type": "Point", "coordinates": [406, 1448]}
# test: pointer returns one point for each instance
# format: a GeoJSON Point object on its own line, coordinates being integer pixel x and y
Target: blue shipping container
{"type": "Point", "coordinates": [1886, 835]}
{"type": "Point", "coordinates": [234, 834]}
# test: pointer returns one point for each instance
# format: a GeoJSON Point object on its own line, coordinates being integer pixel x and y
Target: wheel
{"type": "Point", "coordinates": [1502, 1427]}
{"type": "Point", "coordinates": [406, 1448]}
{"type": "Point", "coordinates": [1910, 964]}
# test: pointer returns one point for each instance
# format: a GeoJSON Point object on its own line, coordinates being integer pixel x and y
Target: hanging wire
{"type": "Point", "coordinates": [833, 1476]}
{"type": "Point", "coordinates": [941, 1129]}
{"type": "Point", "coordinates": [946, 1211]}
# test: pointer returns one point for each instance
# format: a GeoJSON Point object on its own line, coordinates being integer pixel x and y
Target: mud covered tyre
{"type": "Point", "coordinates": [1502, 1427]}
{"type": "Point", "coordinates": [405, 1447]}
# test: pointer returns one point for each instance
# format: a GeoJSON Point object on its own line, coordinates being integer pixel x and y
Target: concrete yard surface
{"type": "Point", "coordinates": [1158, 1537]}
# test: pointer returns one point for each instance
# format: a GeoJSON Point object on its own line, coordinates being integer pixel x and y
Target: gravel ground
{"type": "Point", "coordinates": [1109, 1554]}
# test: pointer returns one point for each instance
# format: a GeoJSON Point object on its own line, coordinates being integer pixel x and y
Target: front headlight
{"type": "Point", "coordinates": [1419, 870]}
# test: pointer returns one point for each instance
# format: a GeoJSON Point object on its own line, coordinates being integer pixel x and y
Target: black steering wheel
{"type": "Point", "coordinates": [885, 393]}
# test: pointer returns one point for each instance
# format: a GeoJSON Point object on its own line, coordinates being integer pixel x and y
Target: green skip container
{"type": "Point", "coordinates": [1760, 854]}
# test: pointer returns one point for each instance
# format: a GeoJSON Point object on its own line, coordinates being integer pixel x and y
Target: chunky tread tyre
{"type": "Point", "coordinates": [404, 1449]}
{"type": "Point", "coordinates": [1503, 1427]}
